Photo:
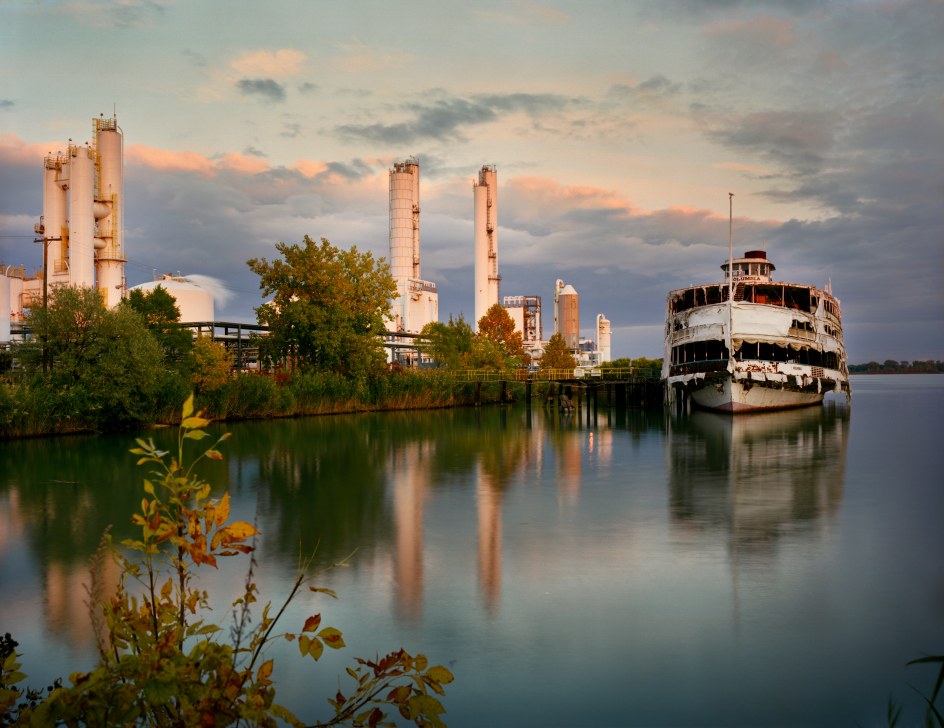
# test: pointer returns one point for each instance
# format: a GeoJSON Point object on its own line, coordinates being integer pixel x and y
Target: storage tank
{"type": "Point", "coordinates": [195, 303]}
{"type": "Point", "coordinates": [569, 312]}
{"type": "Point", "coordinates": [603, 337]}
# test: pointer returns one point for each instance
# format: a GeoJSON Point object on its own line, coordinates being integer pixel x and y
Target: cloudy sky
{"type": "Point", "coordinates": [618, 129]}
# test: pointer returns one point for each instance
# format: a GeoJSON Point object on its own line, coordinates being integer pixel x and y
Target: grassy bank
{"type": "Point", "coordinates": [38, 408]}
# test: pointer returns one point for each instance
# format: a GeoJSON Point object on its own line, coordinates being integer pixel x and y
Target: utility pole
{"type": "Point", "coordinates": [40, 229]}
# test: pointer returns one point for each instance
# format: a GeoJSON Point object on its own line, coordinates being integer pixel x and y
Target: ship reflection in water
{"type": "Point", "coordinates": [759, 477]}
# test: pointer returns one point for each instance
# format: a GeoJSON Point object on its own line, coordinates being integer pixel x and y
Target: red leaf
{"type": "Point", "coordinates": [312, 623]}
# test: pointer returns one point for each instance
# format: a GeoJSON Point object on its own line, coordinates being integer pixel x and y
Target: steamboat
{"type": "Point", "coordinates": [750, 343]}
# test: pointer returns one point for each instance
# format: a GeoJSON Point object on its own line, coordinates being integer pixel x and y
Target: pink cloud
{"type": "Point", "coordinates": [166, 160]}
{"type": "Point", "coordinates": [310, 168]}
{"type": "Point", "coordinates": [243, 163]}
{"type": "Point", "coordinates": [765, 29]}
{"type": "Point", "coordinates": [14, 150]}
{"type": "Point", "coordinates": [545, 192]}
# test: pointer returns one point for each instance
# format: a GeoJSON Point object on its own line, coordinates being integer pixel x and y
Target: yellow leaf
{"type": "Point", "coordinates": [332, 637]}
{"type": "Point", "coordinates": [214, 454]}
{"type": "Point", "coordinates": [188, 407]}
{"type": "Point", "coordinates": [324, 590]}
{"type": "Point", "coordinates": [222, 510]}
{"type": "Point", "coordinates": [304, 642]}
{"type": "Point", "coordinates": [440, 674]}
{"type": "Point", "coordinates": [426, 705]}
{"type": "Point", "coordinates": [240, 530]}
{"type": "Point", "coordinates": [264, 673]}
{"type": "Point", "coordinates": [191, 423]}
{"type": "Point", "coordinates": [315, 649]}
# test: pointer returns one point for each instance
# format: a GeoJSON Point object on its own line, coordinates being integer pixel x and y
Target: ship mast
{"type": "Point", "coordinates": [730, 273]}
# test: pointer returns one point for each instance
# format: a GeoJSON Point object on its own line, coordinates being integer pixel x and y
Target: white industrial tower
{"type": "Point", "coordinates": [417, 303]}
{"type": "Point", "coordinates": [603, 337]}
{"type": "Point", "coordinates": [83, 213]}
{"type": "Point", "coordinates": [486, 240]}
{"type": "Point", "coordinates": [81, 229]}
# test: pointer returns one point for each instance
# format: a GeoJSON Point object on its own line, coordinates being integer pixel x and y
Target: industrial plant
{"type": "Point", "coordinates": [81, 233]}
{"type": "Point", "coordinates": [81, 227]}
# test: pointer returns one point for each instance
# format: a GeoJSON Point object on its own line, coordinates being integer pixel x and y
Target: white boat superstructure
{"type": "Point", "coordinates": [750, 343]}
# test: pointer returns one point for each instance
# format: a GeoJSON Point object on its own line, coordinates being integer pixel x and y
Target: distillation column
{"type": "Point", "coordinates": [109, 211]}
{"type": "Point", "coordinates": [486, 241]}
{"type": "Point", "coordinates": [54, 229]}
{"type": "Point", "coordinates": [82, 217]}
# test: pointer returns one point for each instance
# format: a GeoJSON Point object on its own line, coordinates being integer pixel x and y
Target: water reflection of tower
{"type": "Point", "coordinates": [497, 465]}
{"type": "Point", "coordinates": [570, 453]}
{"type": "Point", "coordinates": [67, 586]}
{"type": "Point", "coordinates": [489, 501]}
{"type": "Point", "coordinates": [410, 485]}
{"type": "Point", "coordinates": [756, 477]}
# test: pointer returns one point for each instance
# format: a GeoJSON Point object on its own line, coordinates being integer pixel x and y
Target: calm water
{"type": "Point", "coordinates": [762, 570]}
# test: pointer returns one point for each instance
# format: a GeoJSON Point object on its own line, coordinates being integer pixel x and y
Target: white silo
{"type": "Point", "coordinates": [4, 306]}
{"type": "Point", "coordinates": [417, 302]}
{"type": "Point", "coordinates": [195, 303]}
{"type": "Point", "coordinates": [82, 217]}
{"type": "Point", "coordinates": [405, 219]}
{"type": "Point", "coordinates": [110, 258]}
{"type": "Point", "coordinates": [485, 196]}
{"type": "Point", "coordinates": [53, 229]}
{"type": "Point", "coordinates": [603, 337]}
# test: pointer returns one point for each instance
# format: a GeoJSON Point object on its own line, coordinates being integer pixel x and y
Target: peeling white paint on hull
{"type": "Point", "coordinates": [728, 396]}
{"type": "Point", "coordinates": [752, 344]}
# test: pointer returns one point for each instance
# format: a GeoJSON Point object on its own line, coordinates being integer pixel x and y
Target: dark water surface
{"type": "Point", "coordinates": [774, 569]}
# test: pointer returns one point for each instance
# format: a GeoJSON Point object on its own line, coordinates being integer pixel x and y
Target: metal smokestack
{"type": "Point", "coordinates": [485, 193]}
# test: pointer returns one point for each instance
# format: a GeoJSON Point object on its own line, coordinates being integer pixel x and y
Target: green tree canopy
{"type": "Point", "coordinates": [109, 357]}
{"type": "Point", "coordinates": [557, 355]}
{"type": "Point", "coordinates": [159, 308]}
{"type": "Point", "coordinates": [449, 345]}
{"type": "Point", "coordinates": [328, 307]}
{"type": "Point", "coordinates": [497, 326]}
{"type": "Point", "coordinates": [641, 365]}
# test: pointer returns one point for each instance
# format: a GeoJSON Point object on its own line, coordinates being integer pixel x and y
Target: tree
{"type": "Point", "coordinates": [159, 310]}
{"type": "Point", "coordinates": [557, 355]}
{"type": "Point", "coordinates": [212, 365]}
{"type": "Point", "coordinates": [449, 345]}
{"type": "Point", "coordinates": [107, 360]}
{"type": "Point", "coordinates": [328, 309]}
{"type": "Point", "coordinates": [498, 326]}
